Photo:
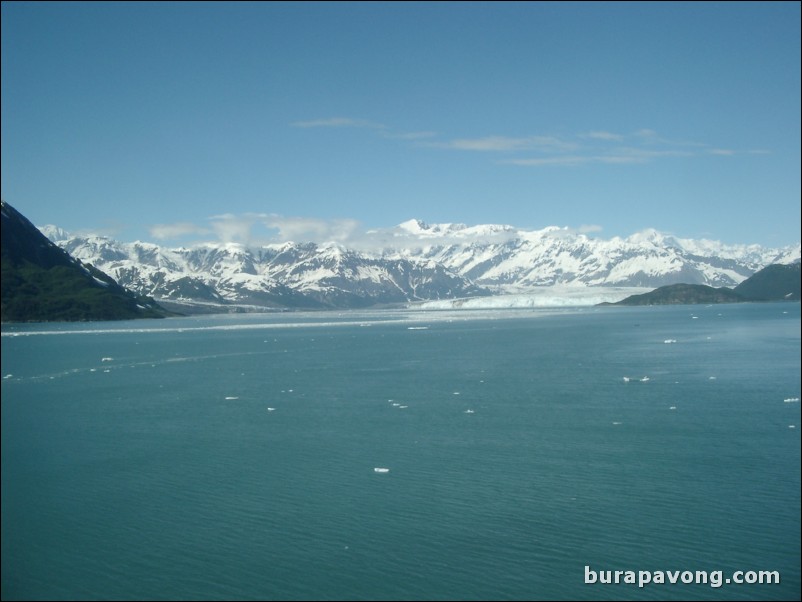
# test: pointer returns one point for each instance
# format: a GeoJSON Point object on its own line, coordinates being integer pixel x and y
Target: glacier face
{"type": "Point", "coordinates": [415, 261]}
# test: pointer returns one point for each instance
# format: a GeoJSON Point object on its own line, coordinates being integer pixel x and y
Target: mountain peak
{"type": "Point", "coordinates": [415, 226]}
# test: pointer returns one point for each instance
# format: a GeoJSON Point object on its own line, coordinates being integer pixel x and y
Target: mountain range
{"type": "Point", "coordinates": [412, 262]}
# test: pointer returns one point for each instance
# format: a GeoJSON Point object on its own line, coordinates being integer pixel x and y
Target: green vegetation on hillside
{"type": "Point", "coordinates": [41, 282]}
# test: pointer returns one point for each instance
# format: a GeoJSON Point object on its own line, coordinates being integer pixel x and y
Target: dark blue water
{"type": "Point", "coordinates": [233, 457]}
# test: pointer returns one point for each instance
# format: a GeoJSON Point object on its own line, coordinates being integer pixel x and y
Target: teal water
{"type": "Point", "coordinates": [140, 459]}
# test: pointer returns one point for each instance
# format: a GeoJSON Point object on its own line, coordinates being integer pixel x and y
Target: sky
{"type": "Point", "coordinates": [180, 122]}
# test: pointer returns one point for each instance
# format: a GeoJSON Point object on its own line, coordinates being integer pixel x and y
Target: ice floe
{"type": "Point", "coordinates": [786, 400]}
{"type": "Point", "coordinates": [381, 470]}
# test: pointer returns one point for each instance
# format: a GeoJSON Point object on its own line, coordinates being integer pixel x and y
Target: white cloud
{"type": "Point", "coordinates": [233, 228]}
{"type": "Point", "coordinates": [646, 133]}
{"type": "Point", "coordinates": [600, 147]}
{"type": "Point", "coordinates": [566, 160]}
{"type": "Point", "coordinates": [338, 122]}
{"type": "Point", "coordinates": [177, 230]}
{"type": "Point", "coordinates": [310, 228]}
{"type": "Point", "coordinates": [412, 135]}
{"type": "Point", "coordinates": [506, 144]}
{"type": "Point", "coordinates": [601, 135]}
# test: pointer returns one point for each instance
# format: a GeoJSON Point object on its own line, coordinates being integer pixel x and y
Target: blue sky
{"type": "Point", "coordinates": [174, 122]}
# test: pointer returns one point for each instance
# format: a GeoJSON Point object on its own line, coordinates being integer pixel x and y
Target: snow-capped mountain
{"type": "Point", "coordinates": [415, 261]}
{"type": "Point", "coordinates": [508, 260]}
{"type": "Point", "coordinates": [281, 275]}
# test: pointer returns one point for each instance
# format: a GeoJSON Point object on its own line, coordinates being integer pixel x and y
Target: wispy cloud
{"type": "Point", "coordinates": [178, 230]}
{"type": "Point", "coordinates": [600, 146]}
{"type": "Point", "coordinates": [338, 122]}
{"type": "Point", "coordinates": [508, 144]}
{"type": "Point", "coordinates": [564, 160]}
{"type": "Point", "coordinates": [310, 229]}
{"type": "Point", "coordinates": [601, 135]}
{"type": "Point", "coordinates": [233, 228]}
{"type": "Point", "coordinates": [616, 156]}
{"type": "Point", "coordinates": [412, 135]}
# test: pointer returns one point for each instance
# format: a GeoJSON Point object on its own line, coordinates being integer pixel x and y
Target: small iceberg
{"type": "Point", "coordinates": [107, 359]}
{"type": "Point", "coordinates": [230, 397]}
{"type": "Point", "coordinates": [673, 408]}
{"type": "Point", "coordinates": [381, 470]}
{"type": "Point", "coordinates": [626, 379]}
{"type": "Point", "coordinates": [469, 412]}
{"type": "Point", "coordinates": [271, 409]}
{"type": "Point", "coordinates": [645, 379]}
{"type": "Point", "coordinates": [786, 400]}
{"type": "Point", "coordinates": [667, 341]}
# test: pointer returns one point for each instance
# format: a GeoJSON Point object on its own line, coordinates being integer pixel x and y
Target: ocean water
{"type": "Point", "coordinates": [233, 456]}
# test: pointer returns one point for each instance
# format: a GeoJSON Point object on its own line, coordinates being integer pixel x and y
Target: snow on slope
{"type": "Point", "coordinates": [416, 261]}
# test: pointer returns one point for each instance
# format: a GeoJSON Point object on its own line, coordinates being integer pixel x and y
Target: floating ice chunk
{"type": "Point", "coordinates": [456, 392]}
{"type": "Point", "coordinates": [626, 379]}
{"type": "Point", "coordinates": [381, 470]}
{"type": "Point", "coordinates": [395, 405]}
{"type": "Point", "coordinates": [7, 376]}
{"type": "Point", "coordinates": [786, 400]}
{"type": "Point", "coordinates": [712, 378]}
{"type": "Point", "coordinates": [616, 423]}
{"type": "Point", "coordinates": [271, 409]}
{"type": "Point", "coordinates": [645, 379]}
{"type": "Point", "coordinates": [402, 407]}
{"type": "Point", "coordinates": [231, 397]}
{"type": "Point", "coordinates": [417, 328]}
{"type": "Point", "coordinates": [469, 411]}
{"type": "Point", "coordinates": [673, 408]}
{"type": "Point", "coordinates": [667, 341]}
{"type": "Point", "coordinates": [107, 359]}
{"type": "Point", "coordinates": [791, 426]}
